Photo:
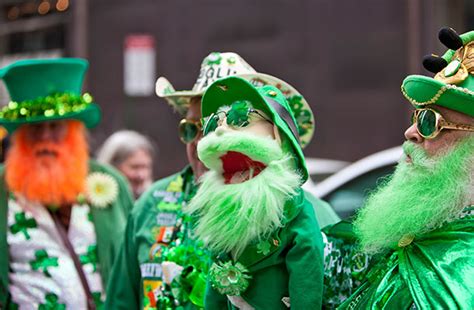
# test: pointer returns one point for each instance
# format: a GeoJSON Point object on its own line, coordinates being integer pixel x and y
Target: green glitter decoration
{"type": "Point", "coordinates": [57, 104]}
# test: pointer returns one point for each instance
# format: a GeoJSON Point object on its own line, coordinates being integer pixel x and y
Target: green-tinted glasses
{"type": "Point", "coordinates": [189, 130]}
{"type": "Point", "coordinates": [237, 116]}
{"type": "Point", "coordinates": [429, 123]}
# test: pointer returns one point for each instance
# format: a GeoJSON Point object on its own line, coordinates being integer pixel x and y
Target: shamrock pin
{"type": "Point", "coordinates": [52, 303]}
{"type": "Point", "coordinates": [229, 278]}
{"type": "Point", "coordinates": [43, 262]}
{"type": "Point", "coordinates": [22, 224]}
{"type": "Point", "coordinates": [90, 257]}
{"type": "Point", "coordinates": [264, 247]}
{"type": "Point", "coordinates": [214, 59]}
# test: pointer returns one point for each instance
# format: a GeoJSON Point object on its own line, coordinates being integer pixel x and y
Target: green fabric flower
{"type": "Point", "coordinates": [228, 278]}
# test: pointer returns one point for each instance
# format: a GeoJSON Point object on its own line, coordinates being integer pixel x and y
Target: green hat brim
{"type": "Point", "coordinates": [424, 91]}
{"type": "Point", "coordinates": [228, 90]}
{"type": "Point", "coordinates": [90, 116]}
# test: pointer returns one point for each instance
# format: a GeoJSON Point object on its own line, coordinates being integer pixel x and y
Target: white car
{"type": "Point", "coordinates": [347, 189]}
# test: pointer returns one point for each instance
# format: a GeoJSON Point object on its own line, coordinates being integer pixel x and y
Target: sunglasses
{"type": "Point", "coordinates": [189, 130]}
{"type": "Point", "coordinates": [429, 123]}
{"type": "Point", "coordinates": [237, 117]}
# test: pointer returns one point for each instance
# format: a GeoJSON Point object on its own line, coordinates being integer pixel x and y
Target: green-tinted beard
{"type": "Point", "coordinates": [418, 198]}
{"type": "Point", "coordinates": [232, 216]}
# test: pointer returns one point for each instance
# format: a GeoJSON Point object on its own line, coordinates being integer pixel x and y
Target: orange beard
{"type": "Point", "coordinates": [50, 173]}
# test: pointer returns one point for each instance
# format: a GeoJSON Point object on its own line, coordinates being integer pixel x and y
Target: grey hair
{"type": "Point", "coordinates": [121, 144]}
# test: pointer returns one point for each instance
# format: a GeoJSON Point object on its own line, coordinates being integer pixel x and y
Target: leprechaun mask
{"type": "Point", "coordinates": [241, 198]}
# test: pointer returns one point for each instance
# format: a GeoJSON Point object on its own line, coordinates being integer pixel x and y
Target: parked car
{"type": "Point", "coordinates": [347, 189]}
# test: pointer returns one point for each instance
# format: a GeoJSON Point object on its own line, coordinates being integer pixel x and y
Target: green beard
{"type": "Point", "coordinates": [419, 197]}
{"type": "Point", "coordinates": [232, 216]}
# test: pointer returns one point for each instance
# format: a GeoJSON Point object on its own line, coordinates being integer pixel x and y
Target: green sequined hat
{"type": "Point", "coordinates": [453, 85]}
{"type": "Point", "coordinates": [46, 90]}
{"type": "Point", "coordinates": [268, 99]}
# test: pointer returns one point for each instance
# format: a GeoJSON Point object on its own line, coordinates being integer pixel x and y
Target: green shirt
{"type": "Point", "coordinates": [109, 224]}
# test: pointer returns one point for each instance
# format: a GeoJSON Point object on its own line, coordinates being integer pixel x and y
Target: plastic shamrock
{"type": "Point", "coordinates": [22, 224]}
{"type": "Point", "coordinates": [239, 113]}
{"type": "Point", "coordinates": [228, 278]}
{"type": "Point", "coordinates": [51, 303]}
{"type": "Point", "coordinates": [43, 262]}
{"type": "Point", "coordinates": [214, 59]}
{"type": "Point", "coordinates": [90, 257]}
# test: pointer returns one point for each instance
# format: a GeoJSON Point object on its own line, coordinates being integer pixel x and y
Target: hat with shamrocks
{"type": "Point", "coordinates": [453, 85]}
{"type": "Point", "coordinates": [268, 99]}
{"type": "Point", "coordinates": [220, 65]}
{"type": "Point", "coordinates": [46, 90]}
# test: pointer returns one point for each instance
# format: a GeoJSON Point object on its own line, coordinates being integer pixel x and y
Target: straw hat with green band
{"type": "Point", "coordinates": [46, 90]}
{"type": "Point", "coordinates": [220, 65]}
{"type": "Point", "coordinates": [453, 85]}
{"type": "Point", "coordinates": [268, 99]}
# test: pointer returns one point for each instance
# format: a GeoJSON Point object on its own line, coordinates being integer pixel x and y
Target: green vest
{"type": "Point", "coordinates": [109, 225]}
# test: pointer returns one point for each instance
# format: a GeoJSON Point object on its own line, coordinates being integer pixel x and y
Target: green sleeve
{"type": "Point", "coordinates": [324, 212]}
{"type": "Point", "coordinates": [123, 290]}
{"type": "Point", "coordinates": [304, 261]}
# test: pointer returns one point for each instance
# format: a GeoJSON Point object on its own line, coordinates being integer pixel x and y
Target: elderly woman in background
{"type": "Point", "coordinates": [132, 154]}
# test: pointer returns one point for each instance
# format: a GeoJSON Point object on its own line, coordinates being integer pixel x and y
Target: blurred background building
{"type": "Point", "coordinates": [346, 57]}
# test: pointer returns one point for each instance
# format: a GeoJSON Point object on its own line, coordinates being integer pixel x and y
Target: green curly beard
{"type": "Point", "coordinates": [419, 197]}
{"type": "Point", "coordinates": [232, 216]}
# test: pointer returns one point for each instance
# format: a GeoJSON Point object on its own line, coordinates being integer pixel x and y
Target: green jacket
{"type": "Point", "coordinates": [292, 266]}
{"type": "Point", "coordinates": [136, 275]}
{"type": "Point", "coordinates": [109, 224]}
{"type": "Point", "coordinates": [435, 271]}
{"type": "Point", "coordinates": [128, 289]}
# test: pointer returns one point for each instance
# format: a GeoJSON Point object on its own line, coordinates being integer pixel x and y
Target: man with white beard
{"type": "Point", "coordinates": [251, 211]}
{"type": "Point", "coordinates": [420, 224]}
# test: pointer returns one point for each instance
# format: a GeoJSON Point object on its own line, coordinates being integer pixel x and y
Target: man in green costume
{"type": "Point", "coordinates": [251, 212]}
{"type": "Point", "coordinates": [61, 214]}
{"type": "Point", "coordinates": [420, 224]}
{"type": "Point", "coordinates": [139, 273]}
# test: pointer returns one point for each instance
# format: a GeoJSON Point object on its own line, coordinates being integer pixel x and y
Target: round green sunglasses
{"type": "Point", "coordinates": [189, 130]}
{"type": "Point", "coordinates": [429, 123]}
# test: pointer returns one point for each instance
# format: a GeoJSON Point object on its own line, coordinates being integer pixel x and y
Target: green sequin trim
{"type": "Point", "coordinates": [57, 104]}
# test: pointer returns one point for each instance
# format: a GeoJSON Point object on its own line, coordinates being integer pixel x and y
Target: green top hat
{"type": "Point", "coordinates": [453, 85]}
{"type": "Point", "coordinates": [268, 99]}
{"type": "Point", "coordinates": [45, 90]}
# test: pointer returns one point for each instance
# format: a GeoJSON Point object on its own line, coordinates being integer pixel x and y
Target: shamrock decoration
{"type": "Point", "coordinates": [54, 104]}
{"type": "Point", "coordinates": [214, 59]}
{"type": "Point", "coordinates": [264, 247]}
{"type": "Point", "coordinates": [302, 116]}
{"type": "Point", "coordinates": [22, 224]}
{"type": "Point", "coordinates": [239, 113]}
{"type": "Point", "coordinates": [90, 257]}
{"type": "Point", "coordinates": [52, 303]}
{"type": "Point", "coordinates": [43, 262]}
{"type": "Point", "coordinates": [229, 278]}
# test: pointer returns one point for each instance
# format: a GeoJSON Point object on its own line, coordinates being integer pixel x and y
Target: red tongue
{"type": "Point", "coordinates": [235, 162]}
